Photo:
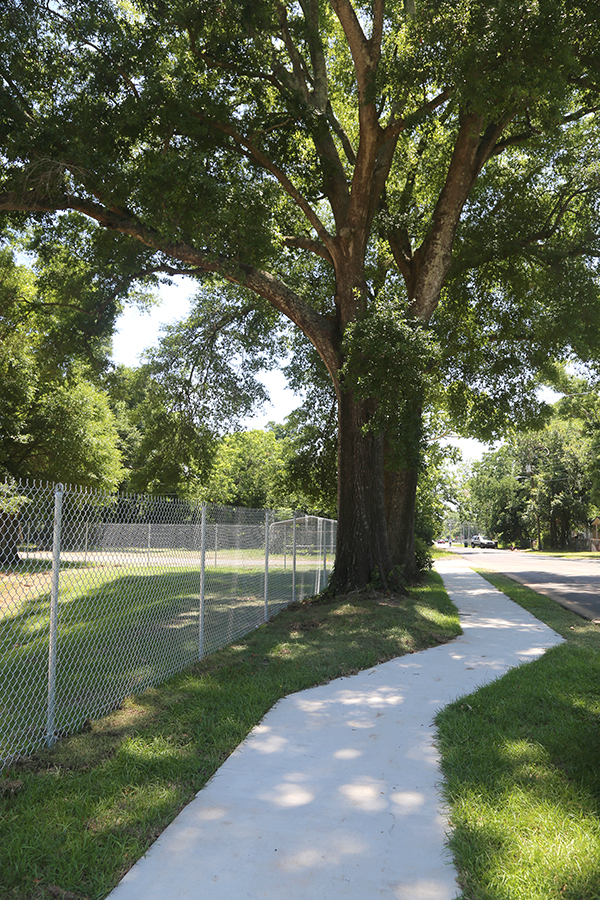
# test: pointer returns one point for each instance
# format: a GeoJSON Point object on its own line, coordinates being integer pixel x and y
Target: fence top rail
{"type": "Point", "coordinates": [302, 519]}
{"type": "Point", "coordinates": [141, 508]}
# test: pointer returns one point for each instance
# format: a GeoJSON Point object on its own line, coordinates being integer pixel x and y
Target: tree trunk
{"type": "Point", "coordinates": [10, 536]}
{"type": "Point", "coordinates": [553, 533]}
{"type": "Point", "coordinates": [402, 457]}
{"type": "Point", "coordinates": [400, 506]}
{"type": "Point", "coordinates": [362, 553]}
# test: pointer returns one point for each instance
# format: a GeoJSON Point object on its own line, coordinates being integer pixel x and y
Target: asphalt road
{"type": "Point", "coordinates": [574, 583]}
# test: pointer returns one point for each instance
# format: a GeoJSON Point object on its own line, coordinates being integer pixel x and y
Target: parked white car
{"type": "Point", "coordinates": [479, 540]}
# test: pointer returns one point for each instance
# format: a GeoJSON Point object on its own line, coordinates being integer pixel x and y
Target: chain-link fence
{"type": "Point", "coordinates": [103, 596]}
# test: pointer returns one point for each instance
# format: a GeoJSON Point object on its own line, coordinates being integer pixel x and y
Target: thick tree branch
{"type": "Point", "coordinates": [301, 242]}
{"type": "Point", "coordinates": [299, 67]}
{"type": "Point", "coordinates": [432, 259]}
{"type": "Point", "coordinates": [386, 148]}
{"type": "Point", "coordinates": [268, 165]}
{"type": "Point", "coordinates": [319, 329]}
{"type": "Point", "coordinates": [357, 42]}
{"type": "Point", "coordinates": [397, 125]}
{"type": "Point", "coordinates": [377, 31]}
{"type": "Point", "coordinates": [319, 123]}
{"type": "Point", "coordinates": [319, 98]}
{"type": "Point", "coordinates": [365, 55]}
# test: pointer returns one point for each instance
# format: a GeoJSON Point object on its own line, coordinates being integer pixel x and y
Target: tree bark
{"type": "Point", "coordinates": [362, 553]}
{"type": "Point", "coordinates": [400, 506]}
{"type": "Point", "coordinates": [402, 458]}
{"type": "Point", "coordinates": [10, 536]}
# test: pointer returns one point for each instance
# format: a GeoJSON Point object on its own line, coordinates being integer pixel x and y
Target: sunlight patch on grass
{"type": "Point", "coordinates": [520, 759]}
{"type": "Point", "coordinates": [349, 609]}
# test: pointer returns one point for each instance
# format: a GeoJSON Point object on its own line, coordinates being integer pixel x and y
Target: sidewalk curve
{"type": "Point", "coordinates": [335, 794]}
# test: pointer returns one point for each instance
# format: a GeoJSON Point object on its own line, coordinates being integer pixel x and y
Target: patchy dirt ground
{"type": "Point", "coordinates": [17, 587]}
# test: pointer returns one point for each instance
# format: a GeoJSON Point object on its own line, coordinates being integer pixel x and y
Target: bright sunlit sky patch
{"type": "Point", "coordinates": [139, 330]}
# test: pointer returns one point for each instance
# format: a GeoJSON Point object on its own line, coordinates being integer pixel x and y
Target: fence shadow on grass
{"type": "Point", "coordinates": [117, 636]}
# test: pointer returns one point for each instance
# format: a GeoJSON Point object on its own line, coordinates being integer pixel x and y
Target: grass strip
{"type": "Point", "coordinates": [567, 554]}
{"type": "Point", "coordinates": [76, 817]}
{"type": "Point", "coordinates": [521, 760]}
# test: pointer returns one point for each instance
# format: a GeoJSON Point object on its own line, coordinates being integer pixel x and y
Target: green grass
{"type": "Point", "coordinates": [121, 629]}
{"type": "Point", "coordinates": [569, 554]}
{"type": "Point", "coordinates": [76, 817]}
{"type": "Point", "coordinates": [521, 758]}
{"type": "Point", "coordinates": [440, 553]}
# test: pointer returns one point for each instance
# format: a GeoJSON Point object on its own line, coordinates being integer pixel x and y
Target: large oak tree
{"type": "Point", "coordinates": [363, 140]}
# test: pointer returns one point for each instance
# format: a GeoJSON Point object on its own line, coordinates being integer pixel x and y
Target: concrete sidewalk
{"type": "Point", "coordinates": [335, 793]}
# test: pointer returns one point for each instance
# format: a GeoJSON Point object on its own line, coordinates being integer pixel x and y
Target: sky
{"type": "Point", "coordinates": [139, 330]}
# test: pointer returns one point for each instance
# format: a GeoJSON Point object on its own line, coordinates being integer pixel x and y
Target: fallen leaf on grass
{"type": "Point", "coordinates": [64, 895]}
{"type": "Point", "coordinates": [10, 787]}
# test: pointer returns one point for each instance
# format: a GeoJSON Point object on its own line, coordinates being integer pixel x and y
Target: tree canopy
{"type": "Point", "coordinates": [248, 470]}
{"type": "Point", "coordinates": [55, 423]}
{"type": "Point", "coordinates": [413, 185]}
{"type": "Point", "coordinates": [541, 485]}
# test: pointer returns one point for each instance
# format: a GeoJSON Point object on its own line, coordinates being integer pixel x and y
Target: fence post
{"type": "Point", "coordinates": [202, 574]}
{"type": "Point", "coordinates": [294, 558]}
{"type": "Point", "coordinates": [318, 565]}
{"type": "Point", "coordinates": [324, 553]}
{"type": "Point", "coordinates": [58, 498]}
{"type": "Point", "coordinates": [266, 565]}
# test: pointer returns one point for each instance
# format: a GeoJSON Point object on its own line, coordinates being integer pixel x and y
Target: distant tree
{"type": "Point", "coordinates": [208, 363]}
{"type": "Point", "coordinates": [164, 450]}
{"type": "Point", "coordinates": [248, 471]}
{"type": "Point", "coordinates": [54, 423]}
{"type": "Point", "coordinates": [196, 385]}
{"type": "Point", "coordinates": [311, 461]}
{"type": "Point", "coordinates": [312, 429]}
{"type": "Point", "coordinates": [498, 497]}
{"type": "Point", "coordinates": [73, 437]}
{"type": "Point", "coordinates": [18, 345]}
{"type": "Point", "coordinates": [563, 484]}
{"type": "Point", "coordinates": [537, 486]}
{"type": "Point", "coordinates": [581, 402]}
{"type": "Point", "coordinates": [436, 491]}
{"type": "Point", "coordinates": [11, 503]}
